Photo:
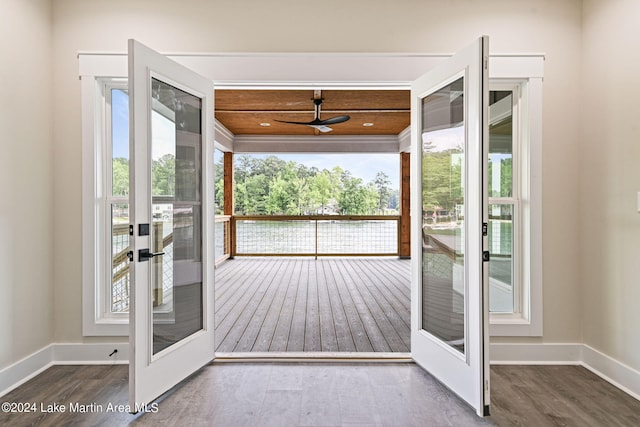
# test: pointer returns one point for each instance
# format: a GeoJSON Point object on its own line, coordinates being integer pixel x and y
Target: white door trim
{"type": "Point", "coordinates": [328, 70]}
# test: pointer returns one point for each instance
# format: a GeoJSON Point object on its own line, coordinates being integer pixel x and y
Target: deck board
{"type": "Point", "coordinates": [374, 324]}
{"type": "Point", "coordinates": [358, 331]}
{"type": "Point", "coordinates": [312, 339]}
{"type": "Point", "coordinates": [240, 315]}
{"type": "Point", "coordinates": [283, 326]}
{"type": "Point", "coordinates": [392, 311]}
{"type": "Point", "coordinates": [326, 318]}
{"type": "Point", "coordinates": [295, 341]}
{"type": "Point", "coordinates": [344, 337]}
{"type": "Point", "coordinates": [267, 330]}
{"type": "Point", "coordinates": [303, 304]}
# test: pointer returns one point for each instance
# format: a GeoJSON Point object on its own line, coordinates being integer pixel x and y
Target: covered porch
{"type": "Point", "coordinates": [313, 283]}
{"type": "Point", "coordinates": [295, 304]}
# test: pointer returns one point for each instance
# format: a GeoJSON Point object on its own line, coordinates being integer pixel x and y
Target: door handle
{"type": "Point", "coordinates": [145, 255]}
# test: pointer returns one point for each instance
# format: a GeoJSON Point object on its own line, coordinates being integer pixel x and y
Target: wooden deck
{"type": "Point", "coordinates": [302, 304]}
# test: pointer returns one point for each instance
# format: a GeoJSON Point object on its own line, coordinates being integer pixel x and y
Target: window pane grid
{"type": "Point", "coordinates": [119, 301]}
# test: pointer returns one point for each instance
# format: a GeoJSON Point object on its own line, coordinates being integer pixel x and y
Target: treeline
{"type": "Point", "coordinates": [444, 187]}
{"type": "Point", "coordinates": [163, 176]}
{"type": "Point", "coordinates": [272, 186]}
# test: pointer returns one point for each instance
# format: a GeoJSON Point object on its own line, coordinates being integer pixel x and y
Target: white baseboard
{"type": "Point", "coordinates": [90, 354]}
{"type": "Point", "coordinates": [620, 375]}
{"type": "Point", "coordinates": [609, 369]}
{"type": "Point", "coordinates": [61, 354]}
{"type": "Point", "coordinates": [535, 354]}
{"type": "Point", "coordinates": [23, 370]}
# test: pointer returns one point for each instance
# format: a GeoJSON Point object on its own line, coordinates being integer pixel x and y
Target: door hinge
{"type": "Point", "coordinates": [485, 229]}
{"type": "Point", "coordinates": [130, 256]}
{"type": "Point", "coordinates": [486, 256]}
{"type": "Point", "coordinates": [130, 229]}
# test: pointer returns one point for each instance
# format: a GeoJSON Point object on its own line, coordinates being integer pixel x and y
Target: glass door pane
{"type": "Point", "coordinates": [443, 163]}
{"type": "Point", "coordinates": [176, 152]}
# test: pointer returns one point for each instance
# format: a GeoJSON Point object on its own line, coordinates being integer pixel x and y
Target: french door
{"type": "Point", "coordinates": [172, 310]}
{"type": "Point", "coordinates": [171, 191]}
{"type": "Point", "coordinates": [449, 283]}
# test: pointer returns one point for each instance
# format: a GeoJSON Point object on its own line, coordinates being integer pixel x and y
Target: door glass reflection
{"type": "Point", "coordinates": [176, 180]}
{"type": "Point", "coordinates": [443, 258]}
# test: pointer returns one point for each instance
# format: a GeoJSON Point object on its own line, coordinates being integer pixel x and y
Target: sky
{"type": "Point", "coordinates": [361, 165]}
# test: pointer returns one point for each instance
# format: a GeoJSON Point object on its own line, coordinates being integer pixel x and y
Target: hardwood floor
{"type": "Point", "coordinates": [302, 304]}
{"type": "Point", "coordinates": [558, 396]}
{"type": "Point", "coordinates": [325, 394]}
{"type": "Point", "coordinates": [325, 305]}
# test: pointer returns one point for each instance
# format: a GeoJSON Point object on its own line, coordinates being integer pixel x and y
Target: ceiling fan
{"type": "Point", "coordinates": [316, 123]}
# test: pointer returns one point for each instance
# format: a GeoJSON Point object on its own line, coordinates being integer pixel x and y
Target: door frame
{"type": "Point", "coordinates": [383, 71]}
{"type": "Point", "coordinates": [376, 71]}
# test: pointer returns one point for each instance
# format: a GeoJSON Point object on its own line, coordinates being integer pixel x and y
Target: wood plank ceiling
{"type": "Point", "coordinates": [253, 112]}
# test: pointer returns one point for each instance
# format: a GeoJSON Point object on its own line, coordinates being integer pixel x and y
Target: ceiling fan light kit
{"type": "Point", "coordinates": [316, 123]}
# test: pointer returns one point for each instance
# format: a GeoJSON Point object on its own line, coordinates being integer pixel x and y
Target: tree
{"type": "Point", "coordinates": [321, 189]}
{"type": "Point", "coordinates": [382, 184]}
{"type": "Point", "coordinates": [271, 167]}
{"type": "Point", "coordinates": [302, 194]}
{"type": "Point", "coordinates": [120, 180]}
{"type": "Point", "coordinates": [163, 175]}
{"type": "Point", "coordinates": [506, 177]}
{"type": "Point", "coordinates": [394, 199]}
{"type": "Point", "coordinates": [219, 185]}
{"type": "Point", "coordinates": [442, 179]}
{"type": "Point", "coordinates": [279, 200]}
{"type": "Point", "coordinates": [252, 195]}
{"type": "Point", "coordinates": [270, 185]}
{"type": "Point", "coordinates": [356, 198]}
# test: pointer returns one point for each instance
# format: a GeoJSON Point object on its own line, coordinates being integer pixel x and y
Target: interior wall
{"type": "Point", "coordinates": [26, 311]}
{"type": "Point", "coordinates": [431, 26]}
{"type": "Point", "coordinates": [610, 179]}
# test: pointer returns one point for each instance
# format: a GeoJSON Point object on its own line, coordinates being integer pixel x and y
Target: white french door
{"type": "Point", "coordinates": [171, 191]}
{"type": "Point", "coordinates": [449, 295]}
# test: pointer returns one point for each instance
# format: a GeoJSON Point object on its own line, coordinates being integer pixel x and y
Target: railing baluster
{"type": "Point", "coordinates": [227, 238]}
{"type": "Point", "coordinates": [316, 221]}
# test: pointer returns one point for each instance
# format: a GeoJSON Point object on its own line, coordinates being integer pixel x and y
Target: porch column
{"type": "Point", "coordinates": [405, 206]}
{"type": "Point", "coordinates": [228, 200]}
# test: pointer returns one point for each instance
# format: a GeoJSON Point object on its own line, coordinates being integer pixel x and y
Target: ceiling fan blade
{"type": "Point", "coordinates": [335, 120]}
{"type": "Point", "coordinates": [316, 123]}
{"type": "Point", "coordinates": [294, 123]}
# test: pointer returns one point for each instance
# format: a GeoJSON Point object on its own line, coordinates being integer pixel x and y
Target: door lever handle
{"type": "Point", "coordinates": [145, 255]}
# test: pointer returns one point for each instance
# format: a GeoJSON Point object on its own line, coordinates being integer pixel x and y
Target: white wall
{"type": "Point", "coordinates": [26, 309]}
{"type": "Point", "coordinates": [609, 152]}
{"type": "Point", "coordinates": [432, 26]}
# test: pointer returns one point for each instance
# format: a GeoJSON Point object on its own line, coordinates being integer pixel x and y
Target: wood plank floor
{"type": "Point", "coordinates": [325, 394]}
{"type": "Point", "coordinates": [302, 304]}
